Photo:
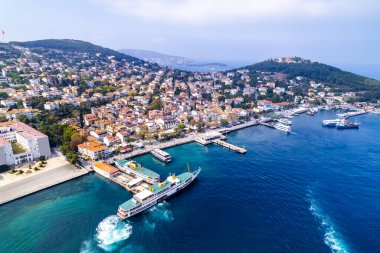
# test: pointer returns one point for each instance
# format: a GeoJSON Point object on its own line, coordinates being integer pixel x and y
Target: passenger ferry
{"type": "Point", "coordinates": [285, 121]}
{"type": "Point", "coordinates": [330, 122]}
{"type": "Point", "coordinates": [161, 155]}
{"type": "Point", "coordinates": [155, 194]}
{"type": "Point", "coordinates": [282, 127]}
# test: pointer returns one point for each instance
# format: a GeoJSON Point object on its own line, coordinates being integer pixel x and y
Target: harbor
{"type": "Point", "coordinates": [91, 200]}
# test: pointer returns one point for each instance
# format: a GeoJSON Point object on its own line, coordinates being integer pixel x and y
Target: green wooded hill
{"type": "Point", "coordinates": [76, 46]}
{"type": "Point", "coordinates": [334, 77]}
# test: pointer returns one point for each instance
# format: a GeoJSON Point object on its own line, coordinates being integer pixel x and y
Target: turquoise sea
{"type": "Point", "coordinates": [316, 190]}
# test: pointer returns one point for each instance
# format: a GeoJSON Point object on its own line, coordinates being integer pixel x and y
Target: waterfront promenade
{"type": "Point", "coordinates": [38, 182]}
{"type": "Point", "coordinates": [175, 142]}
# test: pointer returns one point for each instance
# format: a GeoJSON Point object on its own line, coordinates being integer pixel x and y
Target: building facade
{"type": "Point", "coordinates": [21, 143]}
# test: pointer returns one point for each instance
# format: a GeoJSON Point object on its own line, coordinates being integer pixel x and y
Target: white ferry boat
{"type": "Point", "coordinates": [161, 155]}
{"type": "Point", "coordinates": [155, 194]}
{"type": "Point", "coordinates": [137, 170]}
{"type": "Point", "coordinates": [285, 121]}
{"type": "Point", "coordinates": [330, 122]}
{"type": "Point", "coordinates": [282, 127]}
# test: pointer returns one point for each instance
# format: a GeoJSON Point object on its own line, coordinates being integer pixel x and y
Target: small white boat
{"type": "Point", "coordinates": [330, 122]}
{"type": "Point", "coordinates": [161, 155]}
{"type": "Point", "coordinates": [282, 127]}
{"type": "Point", "coordinates": [285, 121]}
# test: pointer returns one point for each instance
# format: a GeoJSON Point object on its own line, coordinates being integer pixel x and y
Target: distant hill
{"type": "Point", "coordinates": [342, 80]}
{"type": "Point", "coordinates": [173, 61]}
{"type": "Point", "coordinates": [75, 45]}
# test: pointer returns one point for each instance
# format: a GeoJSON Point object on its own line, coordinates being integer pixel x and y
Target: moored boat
{"type": "Point", "coordinates": [282, 127]}
{"type": "Point", "coordinates": [345, 124]}
{"type": "Point", "coordinates": [330, 122]}
{"type": "Point", "coordinates": [285, 121]}
{"type": "Point", "coordinates": [161, 155]}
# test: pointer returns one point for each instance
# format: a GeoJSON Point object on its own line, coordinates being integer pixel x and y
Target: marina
{"type": "Point", "coordinates": [92, 201]}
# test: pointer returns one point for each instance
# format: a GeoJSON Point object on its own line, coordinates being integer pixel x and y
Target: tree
{"type": "Point", "coordinates": [23, 118]}
{"type": "Point", "coordinates": [76, 139]}
{"type": "Point", "coordinates": [181, 126]}
{"type": "Point", "coordinates": [3, 95]}
{"type": "Point", "coordinates": [3, 118]}
{"type": "Point", "coordinates": [224, 122]}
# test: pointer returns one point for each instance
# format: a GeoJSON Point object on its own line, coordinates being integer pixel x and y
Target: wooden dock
{"type": "Point", "coordinates": [230, 146]}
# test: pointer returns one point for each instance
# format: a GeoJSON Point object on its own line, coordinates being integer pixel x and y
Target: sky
{"type": "Point", "coordinates": [241, 31]}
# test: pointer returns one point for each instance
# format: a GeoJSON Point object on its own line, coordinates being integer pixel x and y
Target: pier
{"type": "Point", "coordinates": [351, 114]}
{"type": "Point", "coordinates": [230, 146]}
{"type": "Point", "coordinates": [270, 125]}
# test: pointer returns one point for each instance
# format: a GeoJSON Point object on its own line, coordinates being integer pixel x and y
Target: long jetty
{"type": "Point", "coordinates": [351, 114]}
{"type": "Point", "coordinates": [230, 146]}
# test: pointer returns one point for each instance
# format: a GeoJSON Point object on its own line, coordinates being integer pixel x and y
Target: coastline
{"type": "Point", "coordinates": [8, 192]}
{"type": "Point", "coordinates": [39, 182]}
{"type": "Point", "coordinates": [176, 142]}
{"type": "Point", "coordinates": [44, 180]}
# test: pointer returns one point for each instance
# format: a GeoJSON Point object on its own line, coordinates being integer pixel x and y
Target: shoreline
{"type": "Point", "coordinates": [10, 193]}
{"type": "Point", "coordinates": [177, 142]}
{"type": "Point", "coordinates": [39, 182]}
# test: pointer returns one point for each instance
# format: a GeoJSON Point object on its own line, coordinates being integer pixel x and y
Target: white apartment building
{"type": "Point", "coordinates": [32, 143]}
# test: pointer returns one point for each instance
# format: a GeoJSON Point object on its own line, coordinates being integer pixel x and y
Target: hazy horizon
{"type": "Point", "coordinates": [336, 32]}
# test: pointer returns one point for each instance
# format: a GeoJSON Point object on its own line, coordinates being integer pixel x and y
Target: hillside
{"type": "Point", "coordinates": [76, 45]}
{"type": "Point", "coordinates": [337, 78]}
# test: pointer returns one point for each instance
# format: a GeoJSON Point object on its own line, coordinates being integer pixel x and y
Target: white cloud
{"type": "Point", "coordinates": [213, 11]}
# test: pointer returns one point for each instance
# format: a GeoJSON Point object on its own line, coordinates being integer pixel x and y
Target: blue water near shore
{"type": "Point", "coordinates": [317, 190]}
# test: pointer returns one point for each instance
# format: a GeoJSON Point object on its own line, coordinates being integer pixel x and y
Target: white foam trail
{"type": "Point", "coordinates": [331, 237]}
{"type": "Point", "coordinates": [162, 212]}
{"type": "Point", "coordinates": [86, 247]}
{"type": "Point", "coordinates": [156, 214]}
{"type": "Point", "coordinates": [112, 230]}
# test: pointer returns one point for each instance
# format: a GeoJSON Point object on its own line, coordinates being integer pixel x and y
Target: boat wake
{"type": "Point", "coordinates": [109, 233]}
{"type": "Point", "coordinates": [158, 213]}
{"type": "Point", "coordinates": [332, 238]}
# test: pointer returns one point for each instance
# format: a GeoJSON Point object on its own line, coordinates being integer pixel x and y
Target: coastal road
{"type": "Point", "coordinates": [39, 182]}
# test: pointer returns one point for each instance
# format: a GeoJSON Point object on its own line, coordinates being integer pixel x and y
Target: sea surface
{"type": "Point", "coordinates": [315, 190]}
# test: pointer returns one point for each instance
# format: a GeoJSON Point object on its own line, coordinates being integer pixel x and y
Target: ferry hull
{"type": "Point", "coordinates": [123, 214]}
